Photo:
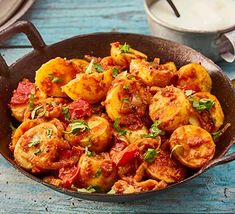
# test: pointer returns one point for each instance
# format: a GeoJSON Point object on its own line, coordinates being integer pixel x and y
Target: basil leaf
{"type": "Point", "coordinates": [125, 48]}
{"type": "Point", "coordinates": [150, 155]}
{"type": "Point", "coordinates": [117, 127]}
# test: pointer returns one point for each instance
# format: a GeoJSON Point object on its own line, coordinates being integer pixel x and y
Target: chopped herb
{"type": "Point", "coordinates": [55, 79]}
{"type": "Point", "coordinates": [125, 100]}
{"type": "Point", "coordinates": [78, 125]}
{"type": "Point", "coordinates": [65, 111]}
{"type": "Point", "coordinates": [126, 87]}
{"type": "Point", "coordinates": [155, 131]}
{"type": "Point", "coordinates": [98, 67]}
{"type": "Point", "coordinates": [31, 101]}
{"type": "Point", "coordinates": [202, 104]}
{"type": "Point", "coordinates": [89, 67]}
{"type": "Point", "coordinates": [89, 153]}
{"type": "Point", "coordinates": [37, 151]}
{"type": "Point", "coordinates": [115, 72]}
{"type": "Point", "coordinates": [12, 127]}
{"type": "Point", "coordinates": [177, 147]}
{"type": "Point", "coordinates": [117, 127]}
{"type": "Point", "coordinates": [98, 172]}
{"type": "Point", "coordinates": [150, 155]}
{"type": "Point", "coordinates": [125, 48]}
{"type": "Point", "coordinates": [34, 141]}
{"type": "Point", "coordinates": [34, 112]}
{"type": "Point", "coordinates": [88, 189]}
{"type": "Point", "coordinates": [188, 92]}
{"type": "Point", "coordinates": [49, 133]}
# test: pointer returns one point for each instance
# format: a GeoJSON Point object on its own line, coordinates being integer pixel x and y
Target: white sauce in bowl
{"type": "Point", "coordinates": [198, 15]}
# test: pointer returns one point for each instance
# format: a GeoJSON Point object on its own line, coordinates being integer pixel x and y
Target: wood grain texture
{"type": "Point", "coordinates": [212, 192]}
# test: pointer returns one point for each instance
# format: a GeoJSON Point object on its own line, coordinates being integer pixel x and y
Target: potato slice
{"type": "Point", "coordinates": [123, 54]}
{"type": "Point", "coordinates": [194, 77]}
{"type": "Point", "coordinates": [97, 138]}
{"type": "Point", "coordinates": [153, 74]}
{"type": "Point", "coordinates": [170, 108]}
{"type": "Point", "coordinates": [36, 149]}
{"type": "Point", "coordinates": [91, 87]}
{"type": "Point", "coordinates": [54, 74]}
{"type": "Point", "coordinates": [210, 120]}
{"type": "Point", "coordinates": [165, 168]}
{"type": "Point", "coordinates": [80, 65]}
{"type": "Point", "coordinates": [192, 146]}
{"type": "Point", "coordinates": [97, 171]}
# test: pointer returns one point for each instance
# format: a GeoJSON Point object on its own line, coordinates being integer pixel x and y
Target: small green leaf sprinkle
{"type": "Point", "coordinates": [34, 112]}
{"type": "Point", "coordinates": [155, 131]}
{"type": "Point", "coordinates": [125, 48]}
{"type": "Point", "coordinates": [65, 111]}
{"type": "Point", "coordinates": [115, 72]}
{"type": "Point", "coordinates": [89, 153]}
{"type": "Point", "coordinates": [55, 79]}
{"type": "Point", "coordinates": [117, 127]}
{"type": "Point", "coordinates": [31, 101]}
{"type": "Point", "coordinates": [49, 132]}
{"type": "Point", "coordinates": [98, 67]}
{"type": "Point", "coordinates": [202, 104]}
{"type": "Point", "coordinates": [34, 141]}
{"type": "Point", "coordinates": [150, 155]}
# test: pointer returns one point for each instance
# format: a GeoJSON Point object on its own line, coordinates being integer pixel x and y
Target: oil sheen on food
{"type": "Point", "coordinates": [199, 15]}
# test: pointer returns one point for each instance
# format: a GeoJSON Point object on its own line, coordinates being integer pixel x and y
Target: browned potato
{"type": "Point", "coordinates": [192, 146]}
{"type": "Point", "coordinates": [91, 87]}
{"type": "Point", "coordinates": [165, 168]}
{"type": "Point", "coordinates": [80, 65]}
{"type": "Point", "coordinates": [194, 77]}
{"type": "Point", "coordinates": [97, 137]}
{"type": "Point", "coordinates": [97, 171]}
{"type": "Point", "coordinates": [206, 111]}
{"type": "Point", "coordinates": [123, 54]}
{"type": "Point", "coordinates": [37, 148]}
{"type": "Point", "coordinates": [170, 108]}
{"type": "Point", "coordinates": [54, 74]}
{"type": "Point", "coordinates": [153, 74]}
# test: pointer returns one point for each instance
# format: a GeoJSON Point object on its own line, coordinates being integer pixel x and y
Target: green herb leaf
{"type": "Point", "coordinates": [202, 104]}
{"type": "Point", "coordinates": [55, 79]}
{"type": "Point", "coordinates": [37, 151]}
{"type": "Point", "coordinates": [154, 131]}
{"type": "Point", "coordinates": [34, 141]}
{"type": "Point", "coordinates": [125, 100]}
{"type": "Point", "coordinates": [98, 172]}
{"type": "Point", "coordinates": [117, 127]}
{"type": "Point", "coordinates": [126, 87]}
{"type": "Point", "coordinates": [115, 72]}
{"type": "Point", "coordinates": [78, 125]}
{"type": "Point", "coordinates": [188, 92]}
{"type": "Point", "coordinates": [31, 101]}
{"type": "Point", "coordinates": [34, 112]}
{"type": "Point", "coordinates": [150, 155]}
{"type": "Point", "coordinates": [89, 153]}
{"type": "Point", "coordinates": [125, 48]}
{"type": "Point", "coordinates": [89, 67]}
{"type": "Point", "coordinates": [49, 133]}
{"type": "Point", "coordinates": [98, 67]}
{"type": "Point", "coordinates": [178, 147]}
{"type": "Point", "coordinates": [65, 111]}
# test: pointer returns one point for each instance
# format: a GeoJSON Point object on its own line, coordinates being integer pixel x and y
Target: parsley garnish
{"type": "Point", "coordinates": [49, 133]}
{"type": "Point", "coordinates": [155, 131]}
{"type": "Point", "coordinates": [89, 153]}
{"type": "Point", "coordinates": [31, 101]}
{"type": "Point", "coordinates": [117, 127]}
{"type": "Point", "coordinates": [125, 48]}
{"type": "Point", "coordinates": [34, 141]}
{"type": "Point", "coordinates": [115, 72]}
{"type": "Point", "coordinates": [98, 172]}
{"type": "Point", "coordinates": [37, 151]}
{"type": "Point", "coordinates": [150, 155]}
{"type": "Point", "coordinates": [125, 100]}
{"type": "Point", "coordinates": [65, 111]}
{"type": "Point", "coordinates": [55, 79]}
{"type": "Point", "coordinates": [98, 67]}
{"type": "Point", "coordinates": [202, 104]}
{"type": "Point", "coordinates": [76, 126]}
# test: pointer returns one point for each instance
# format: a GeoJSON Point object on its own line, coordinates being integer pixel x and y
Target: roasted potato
{"type": "Point", "coordinates": [80, 65]}
{"type": "Point", "coordinates": [211, 116]}
{"type": "Point", "coordinates": [170, 108]}
{"type": "Point", "coordinates": [54, 74]}
{"type": "Point", "coordinates": [97, 171]}
{"type": "Point", "coordinates": [91, 87]}
{"type": "Point", "coordinates": [153, 74]}
{"type": "Point", "coordinates": [165, 168]}
{"type": "Point", "coordinates": [37, 148]}
{"type": "Point", "coordinates": [192, 146]}
{"type": "Point", "coordinates": [97, 137]}
{"type": "Point", "coordinates": [194, 77]}
{"type": "Point", "coordinates": [123, 54]}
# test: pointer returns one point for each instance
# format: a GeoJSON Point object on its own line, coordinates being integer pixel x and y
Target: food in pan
{"type": "Point", "coordinates": [119, 124]}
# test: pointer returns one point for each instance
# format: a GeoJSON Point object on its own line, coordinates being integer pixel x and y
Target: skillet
{"type": "Point", "coordinates": [97, 44]}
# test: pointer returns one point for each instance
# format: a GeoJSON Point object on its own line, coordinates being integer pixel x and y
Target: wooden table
{"type": "Point", "coordinates": [212, 192]}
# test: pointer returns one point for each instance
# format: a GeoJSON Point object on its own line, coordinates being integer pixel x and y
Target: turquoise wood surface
{"type": "Point", "coordinates": [212, 192]}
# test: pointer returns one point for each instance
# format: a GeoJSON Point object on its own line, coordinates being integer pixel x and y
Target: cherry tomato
{"type": "Point", "coordinates": [79, 108]}
{"type": "Point", "coordinates": [21, 94]}
{"type": "Point", "coordinates": [68, 175]}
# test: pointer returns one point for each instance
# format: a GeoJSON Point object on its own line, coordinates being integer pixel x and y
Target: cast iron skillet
{"type": "Point", "coordinates": [98, 44]}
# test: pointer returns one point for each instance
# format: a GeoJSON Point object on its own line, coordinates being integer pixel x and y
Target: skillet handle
{"type": "Point", "coordinates": [20, 27]}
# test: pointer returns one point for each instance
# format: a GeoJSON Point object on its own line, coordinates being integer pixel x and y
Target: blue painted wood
{"type": "Point", "coordinates": [212, 192]}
